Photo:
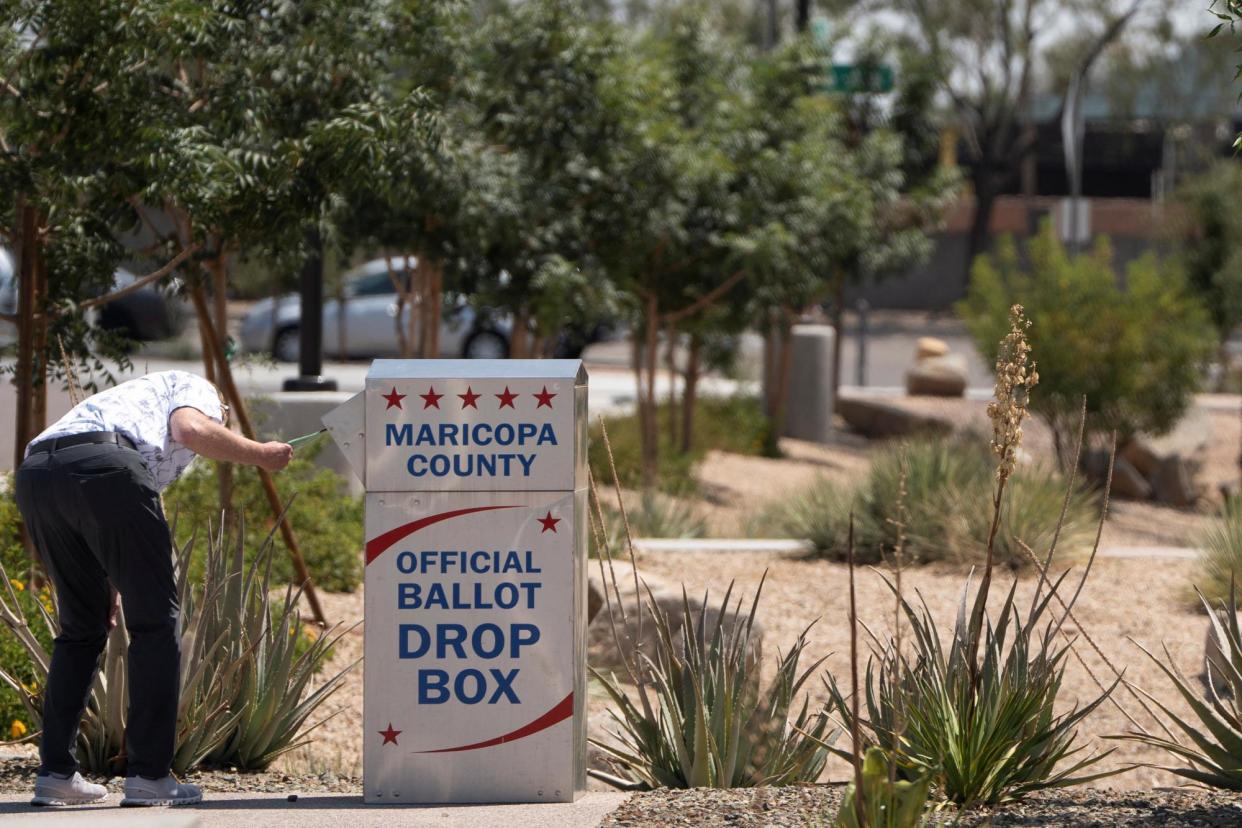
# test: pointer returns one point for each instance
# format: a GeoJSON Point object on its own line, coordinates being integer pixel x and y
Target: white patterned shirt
{"type": "Point", "coordinates": [140, 410]}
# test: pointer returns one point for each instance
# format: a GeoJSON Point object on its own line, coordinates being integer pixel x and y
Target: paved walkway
{"type": "Point", "coordinates": [311, 811]}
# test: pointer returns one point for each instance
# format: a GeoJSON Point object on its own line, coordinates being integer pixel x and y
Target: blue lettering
{"type": "Point", "coordinates": [518, 640]}
{"type": "Point", "coordinates": [504, 434]}
{"type": "Point", "coordinates": [448, 434]}
{"type": "Point", "coordinates": [497, 645]}
{"type": "Point", "coordinates": [432, 687]}
{"type": "Point", "coordinates": [480, 686]}
{"type": "Point", "coordinates": [413, 467]}
{"type": "Point", "coordinates": [527, 460]}
{"type": "Point", "coordinates": [407, 563]}
{"type": "Point", "coordinates": [408, 595]}
{"type": "Point", "coordinates": [504, 686]}
{"type": "Point", "coordinates": [405, 631]}
{"type": "Point", "coordinates": [395, 435]}
{"type": "Point", "coordinates": [547, 435]}
{"type": "Point", "coordinates": [425, 436]}
{"type": "Point", "coordinates": [526, 431]}
{"type": "Point", "coordinates": [450, 635]}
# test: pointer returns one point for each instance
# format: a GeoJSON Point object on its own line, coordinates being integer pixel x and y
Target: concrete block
{"type": "Point", "coordinates": [809, 411]}
{"type": "Point", "coordinates": [288, 414]}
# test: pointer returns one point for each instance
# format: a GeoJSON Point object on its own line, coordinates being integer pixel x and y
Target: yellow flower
{"type": "Point", "coordinates": [17, 730]}
{"type": "Point", "coordinates": [17, 585]}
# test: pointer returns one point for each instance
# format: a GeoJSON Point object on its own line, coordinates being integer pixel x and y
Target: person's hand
{"type": "Point", "coordinates": [274, 456]}
{"type": "Point", "coordinates": [116, 607]}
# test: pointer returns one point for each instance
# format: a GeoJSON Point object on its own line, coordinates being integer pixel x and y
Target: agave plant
{"type": "Point", "coordinates": [709, 724]}
{"type": "Point", "coordinates": [985, 739]}
{"type": "Point", "coordinates": [1214, 752]}
{"type": "Point", "coordinates": [243, 699]}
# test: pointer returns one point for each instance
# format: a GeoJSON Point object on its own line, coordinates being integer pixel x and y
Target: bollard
{"type": "Point", "coordinates": [809, 411]}
{"type": "Point", "coordinates": [475, 633]}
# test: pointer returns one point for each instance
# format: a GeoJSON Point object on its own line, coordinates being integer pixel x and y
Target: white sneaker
{"type": "Point", "coordinates": [52, 789]}
{"type": "Point", "coordinates": [140, 791]}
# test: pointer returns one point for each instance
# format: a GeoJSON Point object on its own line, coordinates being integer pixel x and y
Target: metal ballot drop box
{"type": "Point", "coordinates": [476, 510]}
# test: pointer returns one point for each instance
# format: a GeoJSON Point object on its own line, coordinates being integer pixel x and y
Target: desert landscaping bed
{"type": "Point", "coordinates": [816, 805]}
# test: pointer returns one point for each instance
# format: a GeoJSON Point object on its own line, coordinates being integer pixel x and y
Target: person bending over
{"type": "Point", "coordinates": [89, 493]}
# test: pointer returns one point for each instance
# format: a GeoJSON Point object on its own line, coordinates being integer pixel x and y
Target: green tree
{"type": "Point", "coordinates": [1210, 232]}
{"type": "Point", "coordinates": [1134, 352]}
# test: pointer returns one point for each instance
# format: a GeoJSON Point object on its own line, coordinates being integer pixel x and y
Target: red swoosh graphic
{"type": "Point", "coordinates": [563, 710]}
{"type": "Point", "coordinates": [377, 545]}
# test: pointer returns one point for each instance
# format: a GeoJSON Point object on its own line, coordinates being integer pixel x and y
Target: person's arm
{"type": "Point", "coordinates": [207, 438]}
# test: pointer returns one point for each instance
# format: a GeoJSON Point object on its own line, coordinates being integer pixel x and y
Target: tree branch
{"type": "Point", "coordinates": [140, 283]}
{"type": "Point", "coordinates": [704, 300]}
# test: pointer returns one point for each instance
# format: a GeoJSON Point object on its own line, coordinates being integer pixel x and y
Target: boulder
{"type": "Point", "coordinates": [605, 653]}
{"type": "Point", "coordinates": [1127, 482]}
{"type": "Point", "coordinates": [875, 419]}
{"type": "Point", "coordinates": [1173, 482]}
{"type": "Point", "coordinates": [929, 346]}
{"type": "Point", "coordinates": [938, 376]}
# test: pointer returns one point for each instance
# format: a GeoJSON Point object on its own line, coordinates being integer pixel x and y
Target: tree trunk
{"type": "Point", "coordinates": [769, 369]}
{"type": "Point", "coordinates": [987, 188]}
{"type": "Point", "coordinates": [219, 286]}
{"type": "Point", "coordinates": [27, 298]}
{"type": "Point", "coordinates": [648, 422]}
{"type": "Point", "coordinates": [399, 321]}
{"type": "Point", "coordinates": [690, 396]}
{"type": "Point", "coordinates": [802, 17]}
{"type": "Point", "coordinates": [670, 365]}
{"type": "Point", "coordinates": [521, 334]}
{"type": "Point", "coordinates": [434, 300]}
{"type": "Point", "coordinates": [782, 376]}
{"type": "Point", "coordinates": [838, 325]}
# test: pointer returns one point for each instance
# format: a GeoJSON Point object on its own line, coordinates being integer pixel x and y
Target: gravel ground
{"type": "Point", "coordinates": [817, 805]}
{"type": "Point", "coordinates": [17, 775]}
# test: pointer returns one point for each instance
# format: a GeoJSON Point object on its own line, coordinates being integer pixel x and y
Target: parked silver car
{"type": "Point", "coordinates": [370, 322]}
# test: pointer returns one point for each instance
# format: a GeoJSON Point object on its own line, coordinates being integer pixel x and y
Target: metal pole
{"type": "Point", "coordinates": [862, 306]}
{"type": "Point", "coordinates": [310, 327]}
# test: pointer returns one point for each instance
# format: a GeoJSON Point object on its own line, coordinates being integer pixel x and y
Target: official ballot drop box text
{"type": "Point", "coordinates": [475, 668]}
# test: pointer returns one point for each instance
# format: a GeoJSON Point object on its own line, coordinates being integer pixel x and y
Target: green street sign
{"type": "Point", "coordinates": [851, 78]}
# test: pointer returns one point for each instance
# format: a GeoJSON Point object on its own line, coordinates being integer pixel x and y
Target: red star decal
{"type": "Point", "coordinates": [431, 399]}
{"type": "Point", "coordinates": [507, 398]}
{"type": "Point", "coordinates": [468, 399]}
{"type": "Point", "coordinates": [394, 399]}
{"type": "Point", "coordinates": [390, 735]}
{"type": "Point", "coordinates": [548, 522]}
{"type": "Point", "coordinates": [545, 399]}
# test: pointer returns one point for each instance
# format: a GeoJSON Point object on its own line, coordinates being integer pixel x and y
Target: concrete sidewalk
{"type": "Point", "coordinates": [261, 810]}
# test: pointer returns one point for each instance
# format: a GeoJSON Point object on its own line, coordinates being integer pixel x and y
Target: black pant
{"type": "Point", "coordinates": [94, 515]}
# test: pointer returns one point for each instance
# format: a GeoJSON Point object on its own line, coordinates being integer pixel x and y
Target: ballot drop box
{"type": "Point", "coordinates": [476, 509]}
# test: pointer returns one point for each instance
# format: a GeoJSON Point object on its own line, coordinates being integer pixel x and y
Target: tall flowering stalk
{"type": "Point", "coordinates": [1015, 377]}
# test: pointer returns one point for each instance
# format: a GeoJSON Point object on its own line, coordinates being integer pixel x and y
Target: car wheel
{"type": "Point", "coordinates": [287, 346]}
{"type": "Point", "coordinates": [486, 345]}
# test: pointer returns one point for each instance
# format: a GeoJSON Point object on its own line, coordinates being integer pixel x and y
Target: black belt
{"type": "Point", "coordinates": [83, 439]}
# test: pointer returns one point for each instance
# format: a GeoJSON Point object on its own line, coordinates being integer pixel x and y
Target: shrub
{"type": "Point", "coordinates": [734, 424]}
{"type": "Point", "coordinates": [1214, 751]}
{"type": "Point", "coordinates": [711, 726]}
{"type": "Point", "coordinates": [656, 516]}
{"type": "Point", "coordinates": [243, 682]}
{"type": "Point", "coordinates": [1221, 560]}
{"type": "Point", "coordinates": [328, 518]}
{"type": "Point", "coordinates": [1135, 353]}
{"type": "Point", "coordinates": [947, 491]}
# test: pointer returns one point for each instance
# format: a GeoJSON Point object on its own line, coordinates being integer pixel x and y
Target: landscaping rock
{"type": "Point", "coordinates": [1173, 482]}
{"type": "Point", "coordinates": [929, 346]}
{"type": "Point", "coordinates": [875, 419]}
{"type": "Point", "coordinates": [1127, 481]}
{"type": "Point", "coordinates": [603, 651]}
{"type": "Point", "coordinates": [938, 376]}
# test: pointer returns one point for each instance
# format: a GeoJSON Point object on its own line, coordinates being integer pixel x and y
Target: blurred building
{"type": "Point", "coordinates": [1137, 149]}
